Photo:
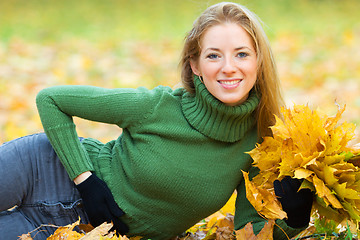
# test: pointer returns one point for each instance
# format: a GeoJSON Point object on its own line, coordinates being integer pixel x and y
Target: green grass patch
{"type": "Point", "coordinates": [101, 20]}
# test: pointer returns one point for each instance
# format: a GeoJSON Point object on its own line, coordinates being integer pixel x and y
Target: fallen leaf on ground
{"type": "Point", "coordinates": [247, 233]}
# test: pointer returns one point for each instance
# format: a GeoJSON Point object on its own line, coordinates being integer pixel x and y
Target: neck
{"type": "Point", "coordinates": [216, 120]}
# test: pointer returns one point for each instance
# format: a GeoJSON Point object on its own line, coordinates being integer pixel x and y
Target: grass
{"type": "Point", "coordinates": [104, 20]}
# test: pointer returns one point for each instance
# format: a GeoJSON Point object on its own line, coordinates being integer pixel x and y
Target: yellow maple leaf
{"type": "Point", "coordinates": [267, 232]}
{"type": "Point", "coordinates": [66, 232]}
{"type": "Point", "coordinates": [270, 150]}
{"type": "Point", "coordinates": [213, 219]}
{"type": "Point", "coordinates": [324, 192]}
{"type": "Point", "coordinates": [229, 207]}
{"type": "Point", "coordinates": [302, 173]}
{"type": "Point", "coordinates": [100, 232]}
{"type": "Point", "coordinates": [308, 145]}
{"type": "Point", "coordinates": [247, 233]}
{"type": "Point", "coordinates": [344, 192]}
{"type": "Point", "coordinates": [263, 200]}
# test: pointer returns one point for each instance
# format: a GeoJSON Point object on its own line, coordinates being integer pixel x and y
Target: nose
{"type": "Point", "coordinates": [228, 66]}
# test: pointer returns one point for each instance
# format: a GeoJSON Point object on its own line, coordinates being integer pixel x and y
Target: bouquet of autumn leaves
{"type": "Point", "coordinates": [310, 146]}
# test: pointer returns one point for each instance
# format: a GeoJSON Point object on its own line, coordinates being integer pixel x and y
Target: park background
{"type": "Point", "coordinates": [132, 43]}
{"type": "Point", "coordinates": [123, 43]}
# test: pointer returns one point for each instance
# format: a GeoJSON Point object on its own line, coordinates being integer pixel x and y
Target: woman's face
{"type": "Point", "coordinates": [227, 63]}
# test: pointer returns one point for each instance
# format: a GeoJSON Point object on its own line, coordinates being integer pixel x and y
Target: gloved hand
{"type": "Point", "coordinates": [100, 205]}
{"type": "Point", "coordinates": [297, 204]}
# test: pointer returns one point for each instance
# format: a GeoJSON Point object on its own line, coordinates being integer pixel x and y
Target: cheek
{"type": "Point", "coordinates": [251, 69]}
{"type": "Point", "coordinates": [209, 69]}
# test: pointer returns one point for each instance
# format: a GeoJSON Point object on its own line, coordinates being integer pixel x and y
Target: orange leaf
{"type": "Point", "coordinates": [267, 232]}
{"type": "Point", "coordinates": [247, 233]}
{"type": "Point", "coordinates": [227, 222]}
{"type": "Point", "coordinates": [263, 200]}
{"type": "Point", "coordinates": [66, 233]}
{"type": "Point", "coordinates": [312, 146]}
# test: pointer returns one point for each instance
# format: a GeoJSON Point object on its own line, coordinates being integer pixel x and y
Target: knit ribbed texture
{"type": "Point", "coordinates": [178, 159]}
{"type": "Point", "coordinates": [215, 119]}
{"type": "Point", "coordinates": [67, 152]}
{"type": "Point", "coordinates": [57, 105]}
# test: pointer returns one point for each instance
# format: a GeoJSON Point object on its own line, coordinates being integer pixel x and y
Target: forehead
{"type": "Point", "coordinates": [226, 35]}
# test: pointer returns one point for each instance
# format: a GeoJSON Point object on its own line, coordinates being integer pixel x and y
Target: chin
{"type": "Point", "coordinates": [230, 103]}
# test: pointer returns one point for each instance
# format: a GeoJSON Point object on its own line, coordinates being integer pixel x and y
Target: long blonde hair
{"type": "Point", "coordinates": [267, 84]}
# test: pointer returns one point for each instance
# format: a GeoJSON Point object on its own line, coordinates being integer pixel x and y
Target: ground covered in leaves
{"type": "Point", "coordinates": [220, 225]}
{"type": "Point", "coordinates": [318, 55]}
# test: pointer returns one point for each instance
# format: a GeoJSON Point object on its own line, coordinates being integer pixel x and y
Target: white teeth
{"type": "Point", "coordinates": [232, 82]}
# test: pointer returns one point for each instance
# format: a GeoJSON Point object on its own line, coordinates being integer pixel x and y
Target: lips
{"type": "Point", "coordinates": [229, 84]}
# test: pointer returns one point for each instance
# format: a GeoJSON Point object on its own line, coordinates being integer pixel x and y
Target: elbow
{"type": "Point", "coordinates": [43, 98]}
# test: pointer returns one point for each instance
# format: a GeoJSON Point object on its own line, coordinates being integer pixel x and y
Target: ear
{"type": "Point", "coordinates": [194, 67]}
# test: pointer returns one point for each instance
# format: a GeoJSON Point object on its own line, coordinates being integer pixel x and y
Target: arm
{"type": "Point", "coordinates": [82, 177]}
{"type": "Point", "coordinates": [58, 105]}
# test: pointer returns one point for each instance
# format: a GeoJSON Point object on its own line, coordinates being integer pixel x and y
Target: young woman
{"type": "Point", "coordinates": [181, 152]}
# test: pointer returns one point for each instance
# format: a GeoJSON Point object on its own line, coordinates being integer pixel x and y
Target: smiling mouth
{"type": "Point", "coordinates": [230, 84]}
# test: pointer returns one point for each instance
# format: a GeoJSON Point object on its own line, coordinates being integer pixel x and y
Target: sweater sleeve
{"type": "Point", "coordinates": [245, 213]}
{"type": "Point", "coordinates": [57, 106]}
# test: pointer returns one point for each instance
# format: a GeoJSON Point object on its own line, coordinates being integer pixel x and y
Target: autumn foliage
{"type": "Point", "coordinates": [219, 225]}
{"type": "Point", "coordinates": [317, 55]}
{"type": "Point", "coordinates": [311, 146]}
{"type": "Point", "coordinates": [67, 232]}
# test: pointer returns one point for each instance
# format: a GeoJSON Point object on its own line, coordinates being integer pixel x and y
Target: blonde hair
{"type": "Point", "coordinates": [267, 84]}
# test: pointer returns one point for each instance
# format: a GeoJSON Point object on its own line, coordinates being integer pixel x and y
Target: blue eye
{"type": "Point", "coordinates": [242, 54]}
{"type": "Point", "coordinates": [212, 56]}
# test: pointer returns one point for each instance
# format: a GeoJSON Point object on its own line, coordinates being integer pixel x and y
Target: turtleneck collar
{"type": "Point", "coordinates": [216, 120]}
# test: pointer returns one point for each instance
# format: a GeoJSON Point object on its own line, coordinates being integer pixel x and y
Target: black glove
{"type": "Point", "coordinates": [100, 205]}
{"type": "Point", "coordinates": [297, 204]}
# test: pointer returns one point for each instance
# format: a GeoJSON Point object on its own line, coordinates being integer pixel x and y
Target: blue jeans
{"type": "Point", "coordinates": [33, 179]}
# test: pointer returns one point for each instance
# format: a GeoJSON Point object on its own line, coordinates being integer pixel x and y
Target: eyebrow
{"type": "Point", "coordinates": [236, 49]}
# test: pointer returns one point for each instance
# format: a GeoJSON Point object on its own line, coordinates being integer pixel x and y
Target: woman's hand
{"type": "Point", "coordinates": [296, 203]}
{"type": "Point", "coordinates": [99, 203]}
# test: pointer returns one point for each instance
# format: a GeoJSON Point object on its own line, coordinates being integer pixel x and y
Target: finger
{"type": "Point", "coordinates": [94, 216]}
{"type": "Point", "coordinates": [278, 188]}
{"type": "Point", "coordinates": [113, 207]}
{"type": "Point", "coordinates": [96, 221]}
{"type": "Point", "coordinates": [307, 194]}
{"type": "Point", "coordinates": [295, 183]}
{"type": "Point", "coordinates": [103, 216]}
{"type": "Point", "coordinates": [290, 185]}
{"type": "Point", "coordinates": [110, 202]}
{"type": "Point", "coordinates": [120, 227]}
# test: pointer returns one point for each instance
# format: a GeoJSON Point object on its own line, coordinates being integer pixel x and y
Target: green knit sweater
{"type": "Point", "coordinates": [178, 159]}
